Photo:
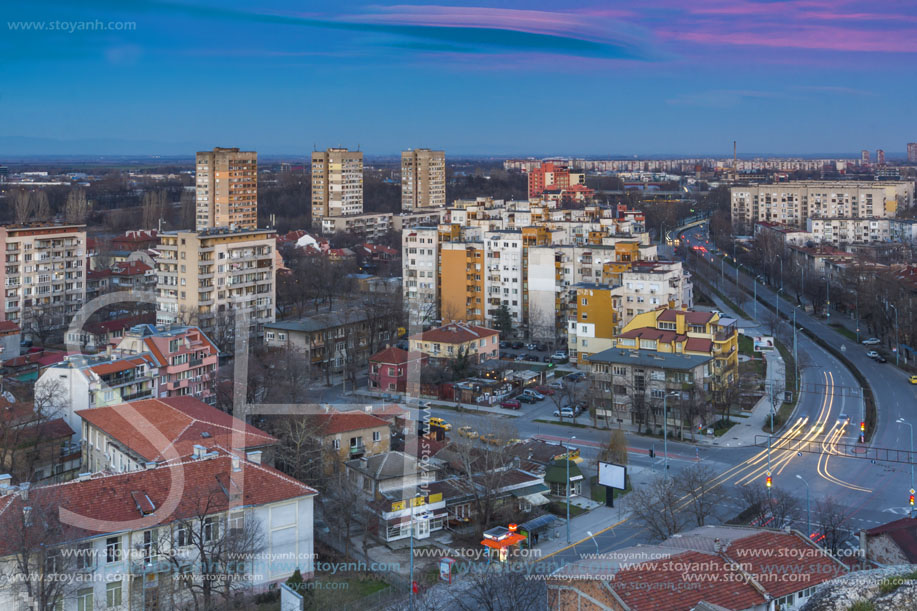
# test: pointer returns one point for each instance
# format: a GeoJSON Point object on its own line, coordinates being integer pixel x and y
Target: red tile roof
{"type": "Point", "coordinates": [8, 326]}
{"type": "Point", "coordinates": [108, 498]}
{"type": "Point", "coordinates": [176, 425]}
{"type": "Point", "coordinates": [390, 356]}
{"type": "Point", "coordinates": [118, 324]}
{"type": "Point", "coordinates": [699, 344]}
{"type": "Point", "coordinates": [691, 317]}
{"type": "Point", "coordinates": [654, 334]}
{"type": "Point", "coordinates": [455, 333]}
{"type": "Point", "coordinates": [776, 560]}
{"type": "Point", "coordinates": [344, 422]}
{"type": "Point", "coordinates": [130, 268]}
{"type": "Point", "coordinates": [665, 585]}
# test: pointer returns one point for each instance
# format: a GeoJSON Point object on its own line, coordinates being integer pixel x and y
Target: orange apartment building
{"type": "Point", "coordinates": [596, 319]}
{"type": "Point", "coordinates": [226, 187]}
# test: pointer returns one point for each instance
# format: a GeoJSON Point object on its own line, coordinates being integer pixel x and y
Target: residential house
{"type": "Point", "coordinates": [10, 340]}
{"type": "Point", "coordinates": [35, 445]}
{"type": "Point", "coordinates": [891, 543]}
{"type": "Point", "coordinates": [381, 474]}
{"type": "Point", "coordinates": [100, 335]}
{"type": "Point", "coordinates": [186, 359]}
{"type": "Point", "coordinates": [389, 369]}
{"type": "Point", "coordinates": [348, 435]}
{"type": "Point", "coordinates": [83, 382]}
{"type": "Point", "coordinates": [633, 383]}
{"type": "Point", "coordinates": [130, 436]}
{"type": "Point", "coordinates": [711, 567]}
{"type": "Point", "coordinates": [136, 537]}
{"type": "Point", "coordinates": [455, 339]}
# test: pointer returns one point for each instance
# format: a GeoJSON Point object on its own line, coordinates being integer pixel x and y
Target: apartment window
{"type": "Point", "coordinates": [236, 522]}
{"type": "Point", "coordinates": [112, 549]}
{"type": "Point", "coordinates": [113, 594]}
{"type": "Point", "coordinates": [211, 529]}
{"type": "Point", "coordinates": [84, 556]}
{"type": "Point", "coordinates": [268, 335]}
{"type": "Point", "coordinates": [336, 444]}
{"type": "Point", "coordinates": [183, 535]}
{"type": "Point", "coordinates": [377, 436]}
{"type": "Point", "coordinates": [585, 301]}
{"type": "Point", "coordinates": [356, 442]}
{"type": "Point", "coordinates": [84, 600]}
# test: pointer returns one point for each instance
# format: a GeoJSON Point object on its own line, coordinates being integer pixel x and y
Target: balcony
{"type": "Point", "coordinates": [153, 564]}
{"type": "Point", "coordinates": [140, 394]}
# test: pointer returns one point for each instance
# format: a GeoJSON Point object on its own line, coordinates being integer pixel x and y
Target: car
{"type": "Point", "coordinates": [872, 341]}
{"type": "Point", "coordinates": [519, 357]}
{"type": "Point", "coordinates": [524, 398]}
{"type": "Point", "coordinates": [558, 360]}
{"type": "Point", "coordinates": [531, 347]}
{"type": "Point", "coordinates": [881, 359]}
{"type": "Point", "coordinates": [540, 347]}
{"type": "Point", "coordinates": [557, 385]}
{"type": "Point", "coordinates": [491, 438]}
{"type": "Point", "coordinates": [579, 407]}
{"type": "Point", "coordinates": [510, 404]}
{"type": "Point", "coordinates": [564, 412]}
{"type": "Point", "coordinates": [533, 393]}
{"type": "Point", "coordinates": [504, 345]}
{"type": "Point", "coordinates": [518, 345]}
{"type": "Point", "coordinates": [545, 390]}
{"type": "Point", "coordinates": [547, 358]}
{"type": "Point", "coordinates": [436, 421]}
{"type": "Point", "coordinates": [576, 376]}
{"type": "Point", "coordinates": [513, 441]}
{"type": "Point", "coordinates": [559, 354]}
{"type": "Point", "coordinates": [872, 354]}
{"type": "Point", "coordinates": [467, 431]}
{"type": "Point", "coordinates": [913, 379]}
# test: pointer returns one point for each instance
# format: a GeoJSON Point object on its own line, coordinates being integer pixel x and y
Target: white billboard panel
{"type": "Point", "coordinates": [612, 475]}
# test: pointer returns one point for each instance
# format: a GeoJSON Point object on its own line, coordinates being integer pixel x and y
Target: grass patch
{"type": "Point", "coordinates": [559, 508]}
{"type": "Point", "coordinates": [786, 409]}
{"type": "Point", "coordinates": [563, 423]}
{"type": "Point", "coordinates": [721, 427]}
{"type": "Point", "coordinates": [844, 331]}
{"type": "Point", "coordinates": [862, 605]}
{"type": "Point", "coordinates": [890, 584]}
{"type": "Point", "coordinates": [597, 491]}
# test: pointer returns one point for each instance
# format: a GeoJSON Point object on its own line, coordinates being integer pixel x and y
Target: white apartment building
{"type": "Point", "coordinates": [226, 188]}
{"type": "Point", "coordinates": [85, 382]}
{"type": "Point", "coordinates": [371, 225]}
{"type": "Point", "coordinates": [44, 275]}
{"type": "Point", "coordinates": [504, 274]}
{"type": "Point", "coordinates": [652, 285]}
{"type": "Point", "coordinates": [135, 546]}
{"type": "Point", "coordinates": [792, 203]}
{"type": "Point", "coordinates": [837, 231]}
{"type": "Point", "coordinates": [337, 183]}
{"type": "Point", "coordinates": [420, 271]}
{"type": "Point", "coordinates": [205, 276]}
{"type": "Point", "coordinates": [423, 179]}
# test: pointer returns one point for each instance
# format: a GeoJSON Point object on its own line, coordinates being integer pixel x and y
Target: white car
{"type": "Point", "coordinates": [564, 412]}
{"type": "Point", "coordinates": [872, 341]}
{"type": "Point", "coordinates": [533, 393]}
{"type": "Point", "coordinates": [872, 354]}
{"type": "Point", "coordinates": [557, 385]}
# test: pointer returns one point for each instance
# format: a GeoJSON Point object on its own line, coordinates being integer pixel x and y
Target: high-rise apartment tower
{"type": "Point", "coordinates": [226, 185]}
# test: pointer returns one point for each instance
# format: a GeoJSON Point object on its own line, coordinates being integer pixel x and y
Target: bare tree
{"type": "Point", "coordinates": [341, 497]}
{"type": "Point", "coordinates": [23, 206]}
{"type": "Point", "coordinates": [501, 587]}
{"type": "Point", "coordinates": [482, 474]}
{"type": "Point", "coordinates": [615, 449]}
{"type": "Point", "coordinates": [703, 495]}
{"type": "Point", "coordinates": [154, 208]}
{"type": "Point", "coordinates": [656, 507]}
{"type": "Point", "coordinates": [833, 522]}
{"type": "Point", "coordinates": [300, 452]}
{"type": "Point", "coordinates": [41, 206]}
{"type": "Point", "coordinates": [77, 208]}
{"type": "Point", "coordinates": [219, 544]}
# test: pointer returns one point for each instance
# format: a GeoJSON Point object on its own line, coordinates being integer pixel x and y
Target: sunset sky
{"type": "Point", "coordinates": [615, 78]}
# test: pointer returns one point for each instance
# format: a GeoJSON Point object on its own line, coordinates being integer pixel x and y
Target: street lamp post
{"type": "Point", "coordinates": [416, 496]}
{"type": "Point", "coordinates": [777, 306]}
{"type": "Point", "coordinates": [665, 430]}
{"type": "Point", "coordinates": [828, 298]}
{"type": "Point", "coordinates": [781, 271]}
{"type": "Point", "coordinates": [755, 283]}
{"type": "Point", "coordinates": [808, 514]}
{"type": "Point", "coordinates": [910, 456]}
{"type": "Point", "coordinates": [897, 345]}
{"type": "Point", "coordinates": [795, 351]}
{"type": "Point", "coordinates": [568, 490]}
{"type": "Point", "coordinates": [857, 301]}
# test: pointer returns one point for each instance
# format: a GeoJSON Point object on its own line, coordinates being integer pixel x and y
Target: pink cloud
{"type": "Point", "coordinates": [804, 37]}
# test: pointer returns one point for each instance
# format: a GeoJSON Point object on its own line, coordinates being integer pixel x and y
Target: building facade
{"type": "Point", "coordinates": [455, 339]}
{"type": "Point", "coordinates": [337, 183]}
{"type": "Point", "coordinates": [423, 179]}
{"type": "Point", "coordinates": [226, 189]}
{"type": "Point", "coordinates": [205, 277]}
{"type": "Point", "coordinates": [420, 274]}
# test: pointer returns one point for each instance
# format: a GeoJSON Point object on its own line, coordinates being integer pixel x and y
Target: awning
{"type": "Point", "coordinates": [527, 490]}
{"type": "Point", "coordinates": [539, 523]}
{"type": "Point", "coordinates": [536, 499]}
{"type": "Point", "coordinates": [503, 543]}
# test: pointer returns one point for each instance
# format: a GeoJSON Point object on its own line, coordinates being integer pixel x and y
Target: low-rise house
{"type": "Point", "coordinates": [348, 435]}
{"type": "Point", "coordinates": [712, 567]}
{"type": "Point", "coordinates": [130, 436]}
{"type": "Point", "coordinates": [85, 382]}
{"type": "Point", "coordinates": [456, 339]}
{"type": "Point", "coordinates": [35, 445]}
{"type": "Point", "coordinates": [10, 338]}
{"type": "Point", "coordinates": [186, 359]}
{"type": "Point", "coordinates": [132, 275]}
{"type": "Point", "coordinates": [99, 335]}
{"type": "Point", "coordinates": [633, 384]}
{"type": "Point", "coordinates": [27, 367]}
{"type": "Point", "coordinates": [136, 239]}
{"type": "Point", "coordinates": [389, 369]}
{"type": "Point", "coordinates": [130, 541]}
{"type": "Point", "coordinates": [892, 543]}
{"type": "Point", "coordinates": [382, 474]}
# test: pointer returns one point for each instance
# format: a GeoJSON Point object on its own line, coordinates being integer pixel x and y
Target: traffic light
{"type": "Point", "coordinates": [911, 499]}
{"type": "Point", "coordinates": [862, 427]}
{"type": "Point", "coordinates": [652, 453]}
{"type": "Point", "coordinates": [768, 481]}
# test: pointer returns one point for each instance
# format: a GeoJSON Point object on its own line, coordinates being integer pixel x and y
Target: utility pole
{"type": "Point", "coordinates": [897, 345]}
{"type": "Point", "coordinates": [910, 456]}
{"type": "Point", "coordinates": [795, 352]}
{"type": "Point", "coordinates": [808, 514]}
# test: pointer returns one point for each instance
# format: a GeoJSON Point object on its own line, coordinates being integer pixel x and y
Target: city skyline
{"type": "Point", "coordinates": [650, 78]}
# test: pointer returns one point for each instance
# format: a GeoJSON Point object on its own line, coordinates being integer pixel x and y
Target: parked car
{"type": "Point", "coordinates": [531, 392]}
{"type": "Point", "coordinates": [540, 347]}
{"type": "Point", "coordinates": [490, 438]}
{"type": "Point", "coordinates": [547, 358]}
{"type": "Point", "coordinates": [531, 347]}
{"type": "Point", "coordinates": [545, 390]}
{"type": "Point", "coordinates": [511, 404]}
{"type": "Point", "coordinates": [518, 345]}
{"type": "Point", "coordinates": [881, 359]}
{"type": "Point", "coordinates": [436, 421]}
{"type": "Point", "coordinates": [872, 341]}
{"type": "Point", "coordinates": [513, 441]}
{"type": "Point", "coordinates": [564, 412]}
{"type": "Point", "coordinates": [504, 345]}
{"type": "Point", "coordinates": [520, 357]}
{"type": "Point", "coordinates": [576, 376]}
{"type": "Point", "coordinates": [467, 431]}
{"type": "Point", "coordinates": [872, 354]}
{"type": "Point", "coordinates": [557, 385]}
{"type": "Point", "coordinates": [559, 354]}
{"type": "Point", "coordinates": [913, 379]}
{"type": "Point", "coordinates": [524, 398]}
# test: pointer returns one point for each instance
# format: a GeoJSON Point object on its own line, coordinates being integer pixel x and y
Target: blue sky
{"type": "Point", "coordinates": [657, 76]}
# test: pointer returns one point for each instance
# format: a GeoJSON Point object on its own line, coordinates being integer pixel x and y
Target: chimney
{"type": "Point", "coordinates": [24, 490]}
{"type": "Point", "coordinates": [717, 546]}
{"type": "Point", "coordinates": [254, 456]}
{"type": "Point", "coordinates": [199, 451]}
{"type": "Point", "coordinates": [236, 463]}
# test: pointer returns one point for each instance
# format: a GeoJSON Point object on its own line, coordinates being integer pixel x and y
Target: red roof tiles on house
{"type": "Point", "coordinates": [345, 422]}
{"type": "Point", "coordinates": [8, 326]}
{"type": "Point", "coordinates": [455, 333]}
{"type": "Point", "coordinates": [122, 365]}
{"type": "Point", "coordinates": [699, 344]}
{"type": "Point", "coordinates": [691, 317]}
{"type": "Point", "coordinates": [178, 423]}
